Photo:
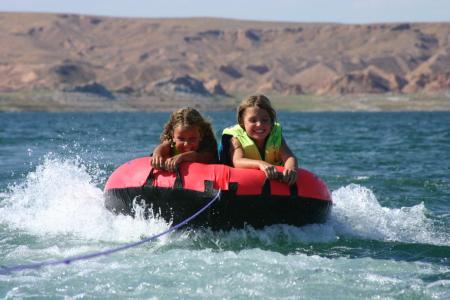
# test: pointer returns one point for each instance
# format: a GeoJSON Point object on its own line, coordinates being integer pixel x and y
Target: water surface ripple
{"type": "Point", "coordinates": [387, 237]}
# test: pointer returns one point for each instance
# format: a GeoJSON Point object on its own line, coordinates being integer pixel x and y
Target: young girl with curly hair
{"type": "Point", "coordinates": [186, 137]}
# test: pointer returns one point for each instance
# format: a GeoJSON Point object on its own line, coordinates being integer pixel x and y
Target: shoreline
{"type": "Point", "coordinates": [57, 101]}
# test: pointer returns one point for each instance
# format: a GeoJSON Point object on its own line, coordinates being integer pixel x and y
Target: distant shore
{"type": "Point", "coordinates": [57, 101]}
{"type": "Point", "coordinates": [155, 63]}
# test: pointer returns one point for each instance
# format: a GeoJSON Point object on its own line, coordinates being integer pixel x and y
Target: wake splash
{"type": "Point", "coordinates": [357, 212]}
{"type": "Point", "coordinates": [62, 197]}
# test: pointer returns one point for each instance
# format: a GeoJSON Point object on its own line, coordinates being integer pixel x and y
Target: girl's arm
{"type": "Point", "coordinates": [239, 161]}
{"type": "Point", "coordinates": [290, 164]}
{"type": "Point", "coordinates": [207, 154]}
{"type": "Point", "coordinates": [160, 154]}
{"type": "Point", "coordinates": [205, 157]}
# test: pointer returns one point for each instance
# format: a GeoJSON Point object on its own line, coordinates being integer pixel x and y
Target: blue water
{"type": "Point", "coordinates": [388, 236]}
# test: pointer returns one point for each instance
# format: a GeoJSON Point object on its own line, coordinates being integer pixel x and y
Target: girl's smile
{"type": "Point", "coordinates": [186, 138]}
{"type": "Point", "coordinates": [257, 124]}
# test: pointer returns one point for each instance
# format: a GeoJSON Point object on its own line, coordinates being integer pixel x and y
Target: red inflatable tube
{"type": "Point", "coordinates": [247, 197]}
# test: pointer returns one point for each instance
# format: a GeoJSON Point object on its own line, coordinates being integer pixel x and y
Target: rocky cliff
{"type": "Point", "coordinates": [219, 56]}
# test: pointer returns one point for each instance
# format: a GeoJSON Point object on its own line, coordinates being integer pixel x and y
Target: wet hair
{"type": "Point", "coordinates": [259, 101]}
{"type": "Point", "coordinates": [186, 117]}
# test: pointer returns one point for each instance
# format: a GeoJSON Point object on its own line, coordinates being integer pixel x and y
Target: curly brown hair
{"type": "Point", "coordinates": [260, 101]}
{"type": "Point", "coordinates": [189, 116]}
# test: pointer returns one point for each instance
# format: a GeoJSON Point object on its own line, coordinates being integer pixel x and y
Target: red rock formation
{"type": "Point", "coordinates": [45, 51]}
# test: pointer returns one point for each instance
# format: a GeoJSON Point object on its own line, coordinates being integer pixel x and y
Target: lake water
{"type": "Point", "coordinates": [388, 236]}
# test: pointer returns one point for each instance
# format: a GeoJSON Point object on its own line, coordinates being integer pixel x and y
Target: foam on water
{"type": "Point", "coordinates": [61, 201]}
{"type": "Point", "coordinates": [357, 212]}
{"type": "Point", "coordinates": [61, 197]}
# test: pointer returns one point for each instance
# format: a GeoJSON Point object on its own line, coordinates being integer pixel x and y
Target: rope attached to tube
{"type": "Point", "coordinates": [69, 260]}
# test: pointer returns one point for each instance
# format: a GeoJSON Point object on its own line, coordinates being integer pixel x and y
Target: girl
{"type": "Point", "coordinates": [186, 137]}
{"type": "Point", "coordinates": [257, 141]}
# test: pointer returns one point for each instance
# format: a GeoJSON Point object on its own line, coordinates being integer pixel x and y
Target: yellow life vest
{"type": "Point", "coordinates": [272, 146]}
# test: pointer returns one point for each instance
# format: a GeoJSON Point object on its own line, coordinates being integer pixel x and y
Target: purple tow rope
{"type": "Point", "coordinates": [69, 260]}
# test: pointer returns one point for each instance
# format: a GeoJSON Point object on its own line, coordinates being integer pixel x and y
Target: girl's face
{"type": "Point", "coordinates": [186, 138]}
{"type": "Point", "coordinates": [257, 124]}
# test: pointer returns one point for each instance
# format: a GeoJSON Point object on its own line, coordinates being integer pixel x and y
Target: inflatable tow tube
{"type": "Point", "coordinates": [247, 197]}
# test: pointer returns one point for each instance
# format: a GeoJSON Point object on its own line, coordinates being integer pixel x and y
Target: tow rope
{"type": "Point", "coordinates": [32, 266]}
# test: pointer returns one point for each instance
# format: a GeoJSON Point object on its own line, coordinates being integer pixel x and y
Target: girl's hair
{"type": "Point", "coordinates": [185, 117]}
{"type": "Point", "coordinates": [260, 101]}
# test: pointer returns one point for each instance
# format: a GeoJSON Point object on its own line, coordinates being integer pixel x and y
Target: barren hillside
{"type": "Point", "coordinates": [219, 56]}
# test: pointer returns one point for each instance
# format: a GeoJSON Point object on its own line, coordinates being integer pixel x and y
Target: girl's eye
{"type": "Point", "coordinates": [190, 140]}
{"type": "Point", "coordinates": [265, 120]}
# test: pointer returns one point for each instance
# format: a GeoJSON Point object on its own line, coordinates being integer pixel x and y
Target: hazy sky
{"type": "Point", "coordinates": [343, 11]}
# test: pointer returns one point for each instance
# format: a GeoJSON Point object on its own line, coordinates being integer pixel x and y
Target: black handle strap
{"type": "Point", "coordinates": [178, 184]}
{"type": "Point", "coordinates": [294, 190]}
{"type": "Point", "coordinates": [266, 187]}
{"type": "Point", "coordinates": [178, 180]}
{"type": "Point", "coordinates": [149, 181]}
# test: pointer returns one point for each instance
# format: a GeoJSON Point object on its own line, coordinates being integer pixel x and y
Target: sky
{"type": "Point", "coordinates": [340, 11]}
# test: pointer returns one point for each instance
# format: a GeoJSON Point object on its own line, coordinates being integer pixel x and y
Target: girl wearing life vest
{"type": "Point", "coordinates": [257, 141]}
{"type": "Point", "coordinates": [185, 137]}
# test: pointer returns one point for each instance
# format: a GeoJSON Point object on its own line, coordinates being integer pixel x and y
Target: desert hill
{"type": "Point", "coordinates": [218, 57]}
